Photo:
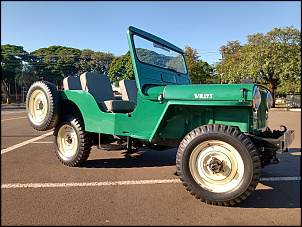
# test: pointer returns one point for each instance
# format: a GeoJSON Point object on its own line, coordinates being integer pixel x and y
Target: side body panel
{"type": "Point", "coordinates": [155, 119]}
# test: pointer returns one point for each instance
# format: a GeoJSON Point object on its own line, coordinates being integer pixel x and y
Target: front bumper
{"type": "Point", "coordinates": [276, 140]}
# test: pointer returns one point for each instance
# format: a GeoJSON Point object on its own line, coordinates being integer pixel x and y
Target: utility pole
{"type": "Point", "coordinates": [23, 88]}
{"type": "Point", "coordinates": [16, 89]}
{"type": "Point", "coordinates": [221, 66]}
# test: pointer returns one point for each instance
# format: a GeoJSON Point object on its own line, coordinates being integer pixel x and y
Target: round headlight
{"type": "Point", "coordinates": [269, 100]}
{"type": "Point", "coordinates": [256, 98]}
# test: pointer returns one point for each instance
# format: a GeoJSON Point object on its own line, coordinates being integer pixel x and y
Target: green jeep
{"type": "Point", "coordinates": [220, 130]}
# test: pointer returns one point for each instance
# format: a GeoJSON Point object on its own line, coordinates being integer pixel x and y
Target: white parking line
{"type": "Point", "coordinates": [106, 183]}
{"type": "Point", "coordinates": [112, 183]}
{"type": "Point", "coordinates": [25, 142]}
{"type": "Point", "coordinates": [280, 178]}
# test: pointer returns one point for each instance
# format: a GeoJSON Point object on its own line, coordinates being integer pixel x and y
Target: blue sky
{"type": "Point", "coordinates": [102, 25]}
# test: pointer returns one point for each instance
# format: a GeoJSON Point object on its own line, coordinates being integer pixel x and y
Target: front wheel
{"type": "Point", "coordinates": [72, 143]}
{"type": "Point", "coordinates": [218, 164]}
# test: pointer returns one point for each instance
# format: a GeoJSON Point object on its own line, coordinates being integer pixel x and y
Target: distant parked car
{"type": "Point", "coordinates": [293, 99]}
{"type": "Point", "coordinates": [280, 100]}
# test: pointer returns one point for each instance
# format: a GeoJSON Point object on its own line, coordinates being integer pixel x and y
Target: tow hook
{"type": "Point", "coordinates": [275, 159]}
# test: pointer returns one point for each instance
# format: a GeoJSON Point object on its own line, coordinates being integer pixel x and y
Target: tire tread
{"type": "Point", "coordinates": [234, 132]}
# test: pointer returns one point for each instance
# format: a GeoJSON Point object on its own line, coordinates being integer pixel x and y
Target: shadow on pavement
{"type": "Point", "coordinates": [133, 159]}
{"type": "Point", "coordinates": [285, 194]}
{"type": "Point", "coordinates": [278, 194]}
{"type": "Point", "coordinates": [269, 194]}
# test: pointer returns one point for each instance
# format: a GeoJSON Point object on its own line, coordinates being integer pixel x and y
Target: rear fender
{"type": "Point", "coordinates": [89, 109]}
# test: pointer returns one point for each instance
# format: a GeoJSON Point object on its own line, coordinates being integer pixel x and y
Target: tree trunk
{"type": "Point", "coordinates": [7, 93]}
{"type": "Point", "coordinates": [272, 86]}
{"type": "Point", "coordinates": [273, 93]}
{"type": "Point", "coordinates": [16, 90]}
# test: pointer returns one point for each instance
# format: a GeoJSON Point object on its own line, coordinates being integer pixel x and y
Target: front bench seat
{"type": "Point", "coordinates": [99, 86]}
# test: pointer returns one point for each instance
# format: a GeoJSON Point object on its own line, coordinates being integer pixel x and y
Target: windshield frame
{"type": "Point", "coordinates": [162, 45]}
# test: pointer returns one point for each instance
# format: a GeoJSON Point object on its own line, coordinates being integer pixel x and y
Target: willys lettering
{"type": "Point", "coordinates": [203, 96]}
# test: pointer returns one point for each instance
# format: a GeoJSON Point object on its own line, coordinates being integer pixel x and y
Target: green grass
{"type": "Point", "coordinates": [280, 105]}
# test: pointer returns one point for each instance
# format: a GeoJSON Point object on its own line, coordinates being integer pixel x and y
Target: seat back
{"type": "Point", "coordinates": [128, 89]}
{"type": "Point", "coordinates": [72, 83]}
{"type": "Point", "coordinates": [98, 85]}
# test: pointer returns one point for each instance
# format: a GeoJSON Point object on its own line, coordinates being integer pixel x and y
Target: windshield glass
{"type": "Point", "coordinates": [158, 55]}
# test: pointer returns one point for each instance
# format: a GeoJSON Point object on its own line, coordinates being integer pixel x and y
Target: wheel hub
{"type": "Point", "coordinates": [40, 105]}
{"type": "Point", "coordinates": [216, 165]}
{"type": "Point", "coordinates": [69, 140]}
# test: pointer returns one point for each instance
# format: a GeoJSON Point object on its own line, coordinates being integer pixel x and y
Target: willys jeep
{"type": "Point", "coordinates": [220, 130]}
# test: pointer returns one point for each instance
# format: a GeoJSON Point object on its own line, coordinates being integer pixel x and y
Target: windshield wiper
{"type": "Point", "coordinates": [161, 47]}
{"type": "Point", "coordinates": [171, 69]}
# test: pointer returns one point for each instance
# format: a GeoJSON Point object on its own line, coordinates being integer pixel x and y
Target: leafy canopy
{"type": "Point", "coordinates": [272, 59]}
{"type": "Point", "coordinates": [121, 68]}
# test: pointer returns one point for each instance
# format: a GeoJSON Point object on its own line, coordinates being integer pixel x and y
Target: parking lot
{"type": "Point", "coordinates": [123, 188]}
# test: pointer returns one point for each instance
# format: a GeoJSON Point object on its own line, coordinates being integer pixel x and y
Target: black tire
{"type": "Point", "coordinates": [42, 105]}
{"type": "Point", "coordinates": [72, 144]}
{"type": "Point", "coordinates": [218, 164]}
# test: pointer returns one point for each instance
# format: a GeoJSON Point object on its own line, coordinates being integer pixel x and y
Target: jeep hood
{"type": "Point", "coordinates": [203, 92]}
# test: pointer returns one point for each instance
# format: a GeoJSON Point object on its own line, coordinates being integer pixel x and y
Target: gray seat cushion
{"type": "Point", "coordinates": [128, 89]}
{"type": "Point", "coordinates": [117, 106]}
{"type": "Point", "coordinates": [99, 86]}
{"type": "Point", "coordinates": [72, 83]}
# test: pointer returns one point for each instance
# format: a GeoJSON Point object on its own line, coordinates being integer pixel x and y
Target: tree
{"type": "Point", "coordinates": [289, 86]}
{"type": "Point", "coordinates": [275, 58]}
{"type": "Point", "coordinates": [26, 76]}
{"type": "Point", "coordinates": [231, 64]}
{"type": "Point", "coordinates": [84, 65]}
{"type": "Point", "coordinates": [272, 59]}
{"type": "Point", "coordinates": [12, 57]}
{"type": "Point", "coordinates": [197, 68]}
{"type": "Point", "coordinates": [55, 62]}
{"type": "Point", "coordinates": [121, 68]}
{"type": "Point", "coordinates": [101, 62]}
{"type": "Point", "coordinates": [95, 62]}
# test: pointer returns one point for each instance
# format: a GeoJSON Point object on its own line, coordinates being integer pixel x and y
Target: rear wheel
{"type": "Point", "coordinates": [218, 164]}
{"type": "Point", "coordinates": [72, 143]}
{"type": "Point", "coordinates": [42, 105]}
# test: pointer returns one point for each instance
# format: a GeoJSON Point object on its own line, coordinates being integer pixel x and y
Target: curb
{"type": "Point", "coordinates": [12, 107]}
{"type": "Point", "coordinates": [287, 109]}
{"type": "Point", "coordinates": [21, 108]}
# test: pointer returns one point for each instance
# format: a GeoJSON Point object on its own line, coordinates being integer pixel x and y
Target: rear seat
{"type": "Point", "coordinates": [72, 83]}
{"type": "Point", "coordinates": [99, 86]}
{"type": "Point", "coordinates": [128, 89]}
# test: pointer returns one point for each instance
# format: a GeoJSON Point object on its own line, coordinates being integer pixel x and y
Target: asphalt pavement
{"type": "Point", "coordinates": [123, 188]}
